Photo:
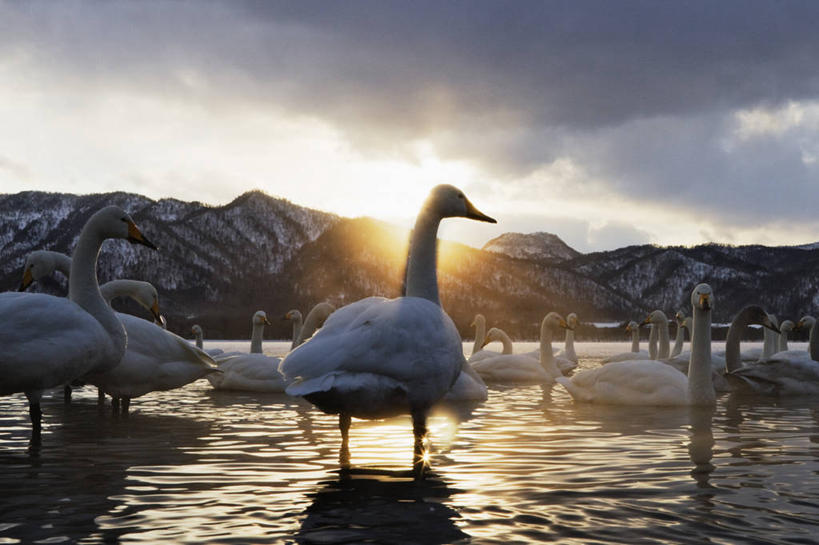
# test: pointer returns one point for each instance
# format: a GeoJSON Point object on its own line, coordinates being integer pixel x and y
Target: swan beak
{"type": "Point", "coordinates": [705, 301]}
{"type": "Point", "coordinates": [27, 280]}
{"type": "Point", "coordinates": [155, 311]}
{"type": "Point", "coordinates": [564, 325]}
{"type": "Point", "coordinates": [161, 322]}
{"type": "Point", "coordinates": [770, 325]}
{"type": "Point", "coordinates": [266, 321]}
{"type": "Point", "coordinates": [475, 214]}
{"type": "Point", "coordinates": [628, 329]}
{"type": "Point", "coordinates": [135, 236]}
{"type": "Point", "coordinates": [646, 321]}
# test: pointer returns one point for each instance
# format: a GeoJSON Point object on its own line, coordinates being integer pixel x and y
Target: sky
{"type": "Point", "coordinates": [606, 123]}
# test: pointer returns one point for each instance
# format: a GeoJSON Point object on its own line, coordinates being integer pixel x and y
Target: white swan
{"type": "Point", "coordinates": [253, 372]}
{"type": "Point", "coordinates": [650, 382]}
{"type": "Point", "coordinates": [568, 352]}
{"type": "Point", "coordinates": [199, 335]}
{"type": "Point", "coordinates": [749, 315]}
{"type": "Point", "coordinates": [679, 339]}
{"type": "Point", "coordinates": [314, 320]}
{"type": "Point", "coordinates": [154, 360]}
{"type": "Point", "coordinates": [660, 349]}
{"type": "Point", "coordinates": [495, 334]}
{"type": "Point", "coordinates": [635, 354]}
{"type": "Point", "coordinates": [380, 357]}
{"type": "Point", "coordinates": [790, 373]}
{"type": "Point", "coordinates": [770, 340]}
{"type": "Point", "coordinates": [49, 341]}
{"type": "Point", "coordinates": [522, 368]}
{"type": "Point", "coordinates": [479, 323]}
{"type": "Point", "coordinates": [784, 329]}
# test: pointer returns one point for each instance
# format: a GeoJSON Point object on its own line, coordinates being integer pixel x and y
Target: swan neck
{"type": "Point", "coordinates": [84, 290]}
{"type": "Point", "coordinates": [547, 357]}
{"type": "Point", "coordinates": [769, 344]}
{"type": "Point", "coordinates": [732, 340]}
{"type": "Point", "coordinates": [700, 384]}
{"type": "Point", "coordinates": [480, 335]}
{"type": "Point", "coordinates": [297, 329]}
{"type": "Point", "coordinates": [256, 339]}
{"type": "Point", "coordinates": [782, 345]}
{"type": "Point", "coordinates": [311, 324]}
{"type": "Point", "coordinates": [665, 340]}
{"type": "Point", "coordinates": [679, 339]}
{"type": "Point", "coordinates": [652, 343]}
{"type": "Point", "coordinates": [507, 343]}
{"type": "Point", "coordinates": [422, 260]}
{"type": "Point", "coordinates": [62, 263]}
{"type": "Point", "coordinates": [199, 341]}
{"type": "Point", "coordinates": [635, 339]}
{"type": "Point", "coordinates": [568, 345]}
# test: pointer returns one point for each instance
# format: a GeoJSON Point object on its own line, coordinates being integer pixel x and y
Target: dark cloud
{"type": "Point", "coordinates": [639, 93]}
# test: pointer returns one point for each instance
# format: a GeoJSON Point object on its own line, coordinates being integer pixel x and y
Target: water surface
{"type": "Point", "coordinates": [199, 466]}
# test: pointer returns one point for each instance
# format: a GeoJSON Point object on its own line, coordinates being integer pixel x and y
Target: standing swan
{"type": "Point", "coordinates": [382, 357]}
{"type": "Point", "coordinates": [49, 341]}
{"type": "Point", "coordinates": [650, 382]}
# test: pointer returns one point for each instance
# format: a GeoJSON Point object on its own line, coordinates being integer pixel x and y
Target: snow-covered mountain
{"type": "Point", "coordinates": [539, 246]}
{"type": "Point", "coordinates": [218, 264]}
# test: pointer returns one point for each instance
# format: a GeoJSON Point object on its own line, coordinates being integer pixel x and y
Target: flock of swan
{"type": "Point", "coordinates": [373, 358]}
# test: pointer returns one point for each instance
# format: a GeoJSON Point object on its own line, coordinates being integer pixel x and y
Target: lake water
{"type": "Point", "coordinates": [199, 466]}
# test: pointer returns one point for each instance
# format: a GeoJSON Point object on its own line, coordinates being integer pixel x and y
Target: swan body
{"type": "Point", "coordinates": [651, 382]}
{"type": "Point", "coordinates": [49, 341]}
{"type": "Point", "coordinates": [379, 357]}
{"type": "Point", "coordinates": [635, 354]}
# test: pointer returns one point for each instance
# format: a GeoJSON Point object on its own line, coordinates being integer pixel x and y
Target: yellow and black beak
{"type": "Point", "coordinates": [646, 321]}
{"type": "Point", "coordinates": [136, 236]}
{"type": "Point", "coordinates": [27, 279]}
{"type": "Point", "coordinates": [564, 325]}
{"type": "Point", "coordinates": [770, 325]}
{"type": "Point", "coordinates": [628, 328]}
{"type": "Point", "coordinates": [705, 301]}
{"type": "Point", "coordinates": [155, 311]}
{"type": "Point", "coordinates": [475, 214]}
{"type": "Point", "coordinates": [266, 321]}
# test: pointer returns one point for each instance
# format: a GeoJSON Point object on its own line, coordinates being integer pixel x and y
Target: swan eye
{"type": "Point", "coordinates": [461, 196]}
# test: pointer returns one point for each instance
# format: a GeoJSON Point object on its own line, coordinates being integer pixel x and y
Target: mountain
{"type": "Point", "coordinates": [537, 246]}
{"type": "Point", "coordinates": [219, 264]}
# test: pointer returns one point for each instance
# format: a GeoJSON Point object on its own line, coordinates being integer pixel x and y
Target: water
{"type": "Point", "coordinates": [199, 466]}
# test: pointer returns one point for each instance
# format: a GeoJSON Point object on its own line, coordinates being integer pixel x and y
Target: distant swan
{"type": "Point", "coordinates": [315, 319]}
{"type": "Point", "coordinates": [199, 334]}
{"type": "Point", "coordinates": [522, 368]}
{"type": "Point", "coordinates": [495, 334]}
{"type": "Point", "coordinates": [253, 372]}
{"type": "Point", "coordinates": [784, 329]}
{"type": "Point", "coordinates": [650, 382]}
{"type": "Point", "coordinates": [49, 341]}
{"type": "Point", "coordinates": [679, 340]}
{"type": "Point", "coordinates": [382, 357]}
{"type": "Point", "coordinates": [635, 354]}
{"type": "Point", "coordinates": [791, 373]}
{"type": "Point", "coordinates": [568, 351]}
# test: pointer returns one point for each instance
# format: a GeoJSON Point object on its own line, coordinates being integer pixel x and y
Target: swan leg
{"type": "Point", "coordinates": [344, 453]}
{"type": "Point", "coordinates": [420, 461]}
{"type": "Point", "coordinates": [67, 393]}
{"type": "Point", "coordinates": [126, 404]}
{"type": "Point", "coordinates": [115, 404]}
{"type": "Point", "coordinates": [100, 397]}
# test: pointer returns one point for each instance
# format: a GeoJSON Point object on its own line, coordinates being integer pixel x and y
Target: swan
{"type": "Point", "coordinates": [635, 354]}
{"type": "Point", "coordinates": [522, 368]}
{"type": "Point", "coordinates": [199, 335]}
{"type": "Point", "coordinates": [494, 334]}
{"type": "Point", "coordinates": [49, 341]}
{"type": "Point", "coordinates": [791, 373]}
{"type": "Point", "coordinates": [568, 351]}
{"type": "Point", "coordinates": [749, 315]}
{"type": "Point", "coordinates": [651, 382]}
{"type": "Point", "coordinates": [479, 323]}
{"type": "Point", "coordinates": [679, 339]}
{"type": "Point", "coordinates": [661, 347]}
{"type": "Point", "coordinates": [253, 372]}
{"type": "Point", "coordinates": [382, 357]}
{"type": "Point", "coordinates": [314, 320]}
{"type": "Point", "coordinates": [784, 329]}
{"type": "Point", "coordinates": [154, 360]}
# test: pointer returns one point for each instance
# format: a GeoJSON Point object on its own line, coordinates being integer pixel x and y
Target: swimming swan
{"type": "Point", "coordinates": [382, 357]}
{"type": "Point", "coordinates": [635, 354]}
{"type": "Point", "coordinates": [199, 334]}
{"type": "Point", "coordinates": [49, 341]}
{"type": "Point", "coordinates": [253, 372]}
{"type": "Point", "coordinates": [650, 382]}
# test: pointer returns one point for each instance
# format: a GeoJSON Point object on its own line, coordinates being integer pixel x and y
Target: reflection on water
{"type": "Point", "coordinates": [197, 465]}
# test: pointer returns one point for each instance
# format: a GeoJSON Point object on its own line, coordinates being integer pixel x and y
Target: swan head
{"type": "Point", "coordinates": [702, 297]}
{"type": "Point", "coordinates": [197, 330]}
{"type": "Point", "coordinates": [787, 326]}
{"type": "Point", "coordinates": [632, 325]}
{"type": "Point", "coordinates": [572, 320]}
{"type": "Point", "coordinates": [292, 315]}
{"type": "Point", "coordinates": [688, 322]}
{"type": "Point", "coordinates": [555, 321]}
{"type": "Point", "coordinates": [479, 320]}
{"type": "Point", "coordinates": [755, 314]}
{"type": "Point", "coordinates": [146, 295]}
{"type": "Point", "coordinates": [448, 201]}
{"type": "Point", "coordinates": [679, 317]}
{"type": "Point", "coordinates": [260, 318]}
{"type": "Point", "coordinates": [494, 334]}
{"type": "Point", "coordinates": [114, 222]}
{"type": "Point", "coordinates": [323, 311]}
{"type": "Point", "coordinates": [656, 317]}
{"type": "Point", "coordinates": [805, 322]}
{"type": "Point", "coordinates": [38, 264]}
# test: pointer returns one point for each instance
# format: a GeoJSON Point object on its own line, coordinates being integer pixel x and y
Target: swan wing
{"type": "Point", "coordinates": [248, 372]}
{"type": "Point", "coordinates": [635, 382]}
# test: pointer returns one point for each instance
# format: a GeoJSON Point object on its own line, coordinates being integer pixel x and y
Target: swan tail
{"type": "Point", "coordinates": [573, 390]}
